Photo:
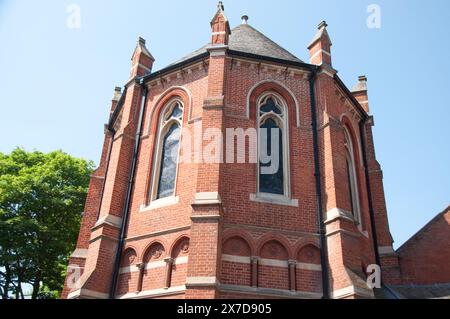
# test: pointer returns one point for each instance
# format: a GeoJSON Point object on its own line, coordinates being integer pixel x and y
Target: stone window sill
{"type": "Point", "coordinates": [160, 203]}
{"type": "Point", "coordinates": [273, 199]}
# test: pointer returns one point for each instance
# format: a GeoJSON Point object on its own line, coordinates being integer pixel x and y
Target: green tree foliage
{"type": "Point", "coordinates": [41, 202]}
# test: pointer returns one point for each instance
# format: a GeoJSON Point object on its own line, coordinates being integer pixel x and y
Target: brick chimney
{"type": "Point", "coordinates": [359, 91]}
{"type": "Point", "coordinates": [320, 46]}
{"type": "Point", "coordinates": [142, 60]}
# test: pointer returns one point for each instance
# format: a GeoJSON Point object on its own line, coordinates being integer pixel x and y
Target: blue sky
{"type": "Point", "coordinates": [56, 82]}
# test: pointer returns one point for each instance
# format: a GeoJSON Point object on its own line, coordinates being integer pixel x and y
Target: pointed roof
{"type": "Point", "coordinates": [321, 33]}
{"type": "Point", "coordinates": [142, 48]}
{"type": "Point", "coordinates": [220, 11]}
{"type": "Point", "coordinates": [244, 38]}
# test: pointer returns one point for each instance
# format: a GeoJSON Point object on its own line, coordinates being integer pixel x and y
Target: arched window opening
{"type": "Point", "coordinates": [272, 136]}
{"type": "Point", "coordinates": [164, 181]}
{"type": "Point", "coordinates": [352, 177]}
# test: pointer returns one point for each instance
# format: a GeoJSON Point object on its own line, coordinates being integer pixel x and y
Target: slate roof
{"type": "Point", "coordinates": [438, 291]}
{"type": "Point", "coordinates": [244, 38]}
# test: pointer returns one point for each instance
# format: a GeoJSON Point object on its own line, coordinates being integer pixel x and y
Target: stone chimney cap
{"type": "Point", "coordinates": [322, 25]}
{"type": "Point", "coordinates": [141, 45]}
{"type": "Point", "coordinates": [322, 32]}
{"type": "Point", "coordinates": [117, 93]}
{"type": "Point", "coordinates": [244, 19]}
{"type": "Point", "coordinates": [362, 78]}
{"type": "Point", "coordinates": [361, 86]}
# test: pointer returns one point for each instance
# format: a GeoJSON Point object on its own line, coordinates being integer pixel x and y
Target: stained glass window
{"type": "Point", "coordinates": [167, 163]}
{"type": "Point", "coordinates": [351, 176]}
{"type": "Point", "coordinates": [272, 170]}
{"type": "Point", "coordinates": [272, 183]}
{"type": "Point", "coordinates": [270, 106]}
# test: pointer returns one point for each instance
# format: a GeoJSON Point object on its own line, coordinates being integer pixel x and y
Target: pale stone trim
{"type": "Point", "coordinates": [154, 293]}
{"type": "Point", "coordinates": [207, 198]}
{"type": "Point", "coordinates": [94, 238]}
{"type": "Point", "coordinates": [365, 233]}
{"type": "Point", "coordinates": [307, 266]}
{"type": "Point", "coordinates": [128, 269]}
{"type": "Point", "coordinates": [323, 71]}
{"type": "Point", "coordinates": [141, 66]}
{"type": "Point", "coordinates": [217, 47]}
{"type": "Point", "coordinates": [270, 292]}
{"type": "Point", "coordinates": [181, 260]}
{"type": "Point", "coordinates": [273, 199]}
{"type": "Point", "coordinates": [79, 253]}
{"type": "Point", "coordinates": [351, 291]}
{"type": "Point", "coordinates": [159, 233]}
{"type": "Point", "coordinates": [202, 281]}
{"type": "Point", "coordinates": [236, 259]}
{"type": "Point", "coordinates": [110, 220]}
{"type": "Point", "coordinates": [270, 262]}
{"type": "Point", "coordinates": [273, 263]}
{"type": "Point", "coordinates": [217, 51]}
{"type": "Point", "coordinates": [386, 250]}
{"type": "Point", "coordinates": [342, 231]}
{"type": "Point", "coordinates": [160, 203]}
{"type": "Point", "coordinates": [74, 266]}
{"type": "Point", "coordinates": [319, 52]}
{"type": "Point", "coordinates": [337, 213]}
{"type": "Point", "coordinates": [87, 294]}
{"type": "Point", "coordinates": [153, 265]}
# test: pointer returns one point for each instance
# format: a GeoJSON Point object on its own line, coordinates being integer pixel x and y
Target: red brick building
{"type": "Point", "coordinates": [158, 227]}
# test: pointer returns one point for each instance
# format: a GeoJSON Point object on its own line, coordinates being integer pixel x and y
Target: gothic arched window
{"type": "Point", "coordinates": [273, 174]}
{"type": "Point", "coordinates": [168, 148]}
{"type": "Point", "coordinates": [351, 176]}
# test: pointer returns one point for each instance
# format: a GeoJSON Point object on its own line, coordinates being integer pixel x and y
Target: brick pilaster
{"type": "Point", "coordinates": [204, 256]}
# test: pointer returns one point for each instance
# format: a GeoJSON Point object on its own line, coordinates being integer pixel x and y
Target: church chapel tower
{"type": "Point", "coordinates": [161, 224]}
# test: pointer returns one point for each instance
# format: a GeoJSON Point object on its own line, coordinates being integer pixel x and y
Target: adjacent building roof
{"type": "Point", "coordinates": [247, 39]}
{"type": "Point", "coordinates": [439, 291]}
{"type": "Point", "coordinates": [423, 229]}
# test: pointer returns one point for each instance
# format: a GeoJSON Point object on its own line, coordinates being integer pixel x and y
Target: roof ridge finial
{"type": "Point", "coordinates": [244, 19]}
{"type": "Point", "coordinates": [221, 6]}
{"type": "Point", "coordinates": [322, 25]}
